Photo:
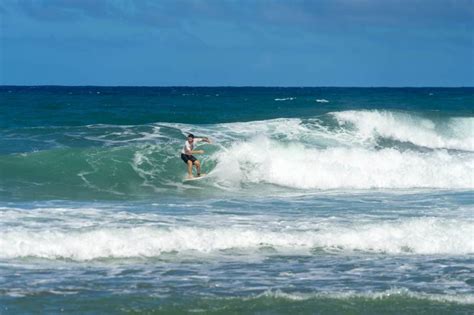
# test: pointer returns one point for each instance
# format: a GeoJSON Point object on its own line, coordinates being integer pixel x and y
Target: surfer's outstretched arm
{"type": "Point", "coordinates": [203, 139]}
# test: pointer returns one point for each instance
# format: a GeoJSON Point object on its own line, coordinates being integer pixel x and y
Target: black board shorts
{"type": "Point", "coordinates": [187, 158]}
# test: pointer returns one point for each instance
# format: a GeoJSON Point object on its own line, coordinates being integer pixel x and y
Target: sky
{"type": "Point", "coordinates": [237, 43]}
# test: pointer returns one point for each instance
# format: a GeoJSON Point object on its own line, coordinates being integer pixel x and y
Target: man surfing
{"type": "Point", "coordinates": [187, 154]}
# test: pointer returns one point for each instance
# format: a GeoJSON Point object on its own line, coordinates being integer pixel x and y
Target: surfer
{"type": "Point", "coordinates": [188, 151]}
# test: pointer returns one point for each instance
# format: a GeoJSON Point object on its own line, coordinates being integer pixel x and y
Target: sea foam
{"type": "Point", "coordinates": [407, 236]}
{"type": "Point", "coordinates": [262, 160]}
{"type": "Point", "coordinates": [455, 133]}
{"type": "Point", "coordinates": [382, 295]}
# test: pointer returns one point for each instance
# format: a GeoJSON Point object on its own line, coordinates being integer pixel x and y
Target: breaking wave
{"type": "Point", "coordinates": [453, 133]}
{"type": "Point", "coordinates": [112, 240]}
{"type": "Point", "coordinates": [339, 150]}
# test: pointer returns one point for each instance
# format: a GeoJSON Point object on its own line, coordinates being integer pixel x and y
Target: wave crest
{"type": "Point", "coordinates": [454, 133]}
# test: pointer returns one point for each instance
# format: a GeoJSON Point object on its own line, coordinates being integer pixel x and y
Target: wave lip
{"type": "Point", "coordinates": [414, 236]}
{"type": "Point", "coordinates": [455, 133]}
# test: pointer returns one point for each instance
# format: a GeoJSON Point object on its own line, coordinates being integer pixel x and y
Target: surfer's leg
{"type": "Point", "coordinates": [198, 167]}
{"type": "Point", "coordinates": [190, 168]}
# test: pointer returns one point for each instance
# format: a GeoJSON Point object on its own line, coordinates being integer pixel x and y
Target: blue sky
{"type": "Point", "coordinates": [223, 42]}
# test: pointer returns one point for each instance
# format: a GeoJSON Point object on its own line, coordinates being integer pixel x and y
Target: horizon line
{"type": "Point", "coordinates": [236, 86]}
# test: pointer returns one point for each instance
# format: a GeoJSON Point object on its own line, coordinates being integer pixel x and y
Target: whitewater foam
{"type": "Point", "coordinates": [455, 133]}
{"type": "Point", "coordinates": [387, 294]}
{"type": "Point", "coordinates": [263, 160]}
{"type": "Point", "coordinates": [409, 236]}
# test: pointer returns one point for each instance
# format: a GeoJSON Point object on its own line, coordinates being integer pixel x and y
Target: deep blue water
{"type": "Point", "coordinates": [318, 200]}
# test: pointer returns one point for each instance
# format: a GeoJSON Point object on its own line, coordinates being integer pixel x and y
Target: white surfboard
{"type": "Point", "coordinates": [187, 179]}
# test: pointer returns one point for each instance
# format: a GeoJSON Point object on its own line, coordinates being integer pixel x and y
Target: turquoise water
{"type": "Point", "coordinates": [318, 200]}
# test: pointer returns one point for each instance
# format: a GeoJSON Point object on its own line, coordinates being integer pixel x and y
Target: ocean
{"type": "Point", "coordinates": [317, 200]}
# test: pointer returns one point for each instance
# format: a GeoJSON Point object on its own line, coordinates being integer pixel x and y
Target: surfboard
{"type": "Point", "coordinates": [186, 179]}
